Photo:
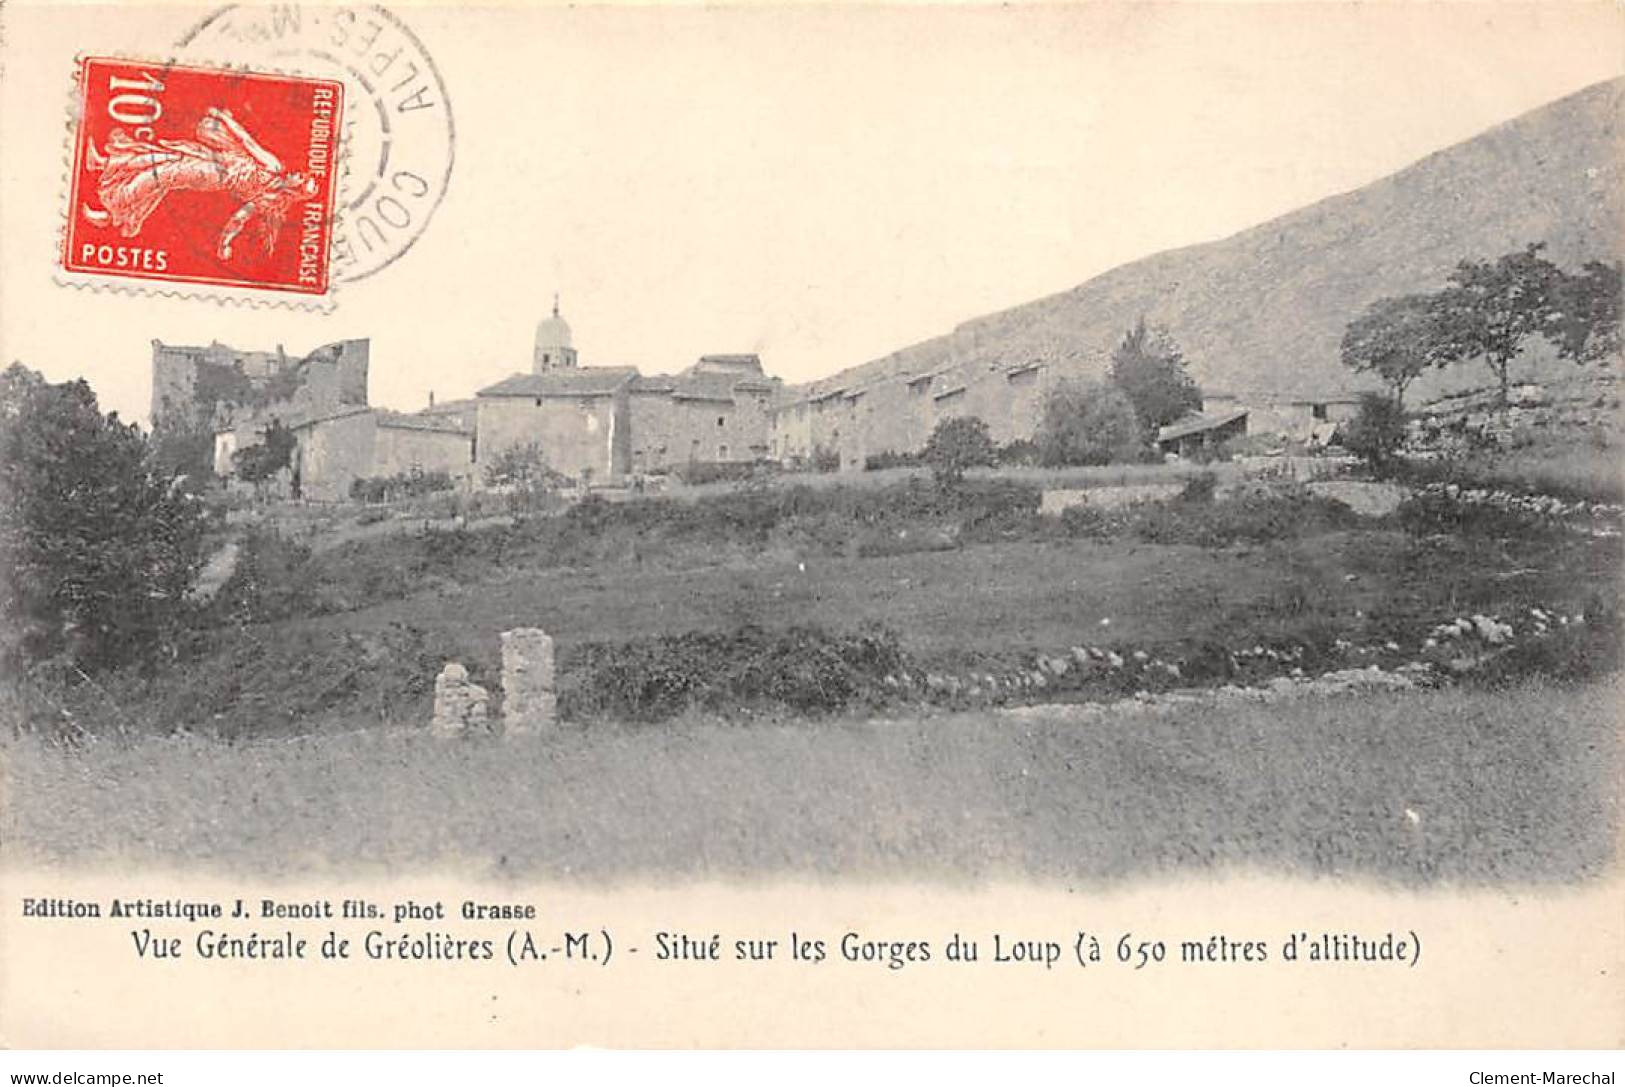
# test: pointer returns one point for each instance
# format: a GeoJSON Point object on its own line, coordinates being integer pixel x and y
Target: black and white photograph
{"type": "Point", "coordinates": [812, 511]}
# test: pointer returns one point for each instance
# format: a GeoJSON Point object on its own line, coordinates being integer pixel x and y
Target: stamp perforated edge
{"type": "Point", "coordinates": [220, 294]}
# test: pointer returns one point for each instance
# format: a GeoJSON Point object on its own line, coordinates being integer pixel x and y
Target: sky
{"type": "Point", "coordinates": [821, 185]}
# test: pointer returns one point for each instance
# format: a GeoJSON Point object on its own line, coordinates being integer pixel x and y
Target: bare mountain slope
{"type": "Point", "coordinates": [1261, 313]}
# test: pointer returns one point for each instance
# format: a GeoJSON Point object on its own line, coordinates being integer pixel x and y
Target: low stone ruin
{"type": "Point", "coordinates": [529, 698]}
{"type": "Point", "coordinates": [458, 704]}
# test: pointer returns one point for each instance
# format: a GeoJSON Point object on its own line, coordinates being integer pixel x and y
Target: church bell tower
{"type": "Point", "coordinates": [553, 348]}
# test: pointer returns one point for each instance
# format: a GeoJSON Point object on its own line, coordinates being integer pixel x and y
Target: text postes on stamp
{"type": "Point", "coordinates": [400, 138]}
{"type": "Point", "coordinates": [205, 176]}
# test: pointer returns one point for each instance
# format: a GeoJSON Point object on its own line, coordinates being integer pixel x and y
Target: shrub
{"type": "Point", "coordinates": [271, 454]}
{"type": "Point", "coordinates": [1570, 654]}
{"type": "Point", "coordinates": [1088, 424]}
{"type": "Point", "coordinates": [1199, 488]}
{"type": "Point", "coordinates": [879, 462]}
{"type": "Point", "coordinates": [1377, 431]}
{"type": "Point", "coordinates": [408, 484]}
{"type": "Point", "coordinates": [524, 467]}
{"type": "Point", "coordinates": [826, 460]}
{"type": "Point", "coordinates": [1255, 517]}
{"type": "Point", "coordinates": [807, 670]}
{"type": "Point", "coordinates": [1018, 453]}
{"type": "Point", "coordinates": [956, 445]}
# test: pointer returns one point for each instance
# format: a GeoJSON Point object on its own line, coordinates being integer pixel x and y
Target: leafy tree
{"type": "Point", "coordinates": [523, 472]}
{"type": "Point", "coordinates": [100, 546]}
{"type": "Point", "coordinates": [958, 444]}
{"type": "Point", "coordinates": [1377, 430]}
{"type": "Point", "coordinates": [1585, 322]}
{"type": "Point", "coordinates": [272, 453]}
{"type": "Point", "coordinates": [1089, 424]}
{"type": "Point", "coordinates": [1491, 307]}
{"type": "Point", "coordinates": [1396, 339]}
{"type": "Point", "coordinates": [1148, 367]}
{"type": "Point", "coordinates": [183, 446]}
{"type": "Point", "coordinates": [519, 466]}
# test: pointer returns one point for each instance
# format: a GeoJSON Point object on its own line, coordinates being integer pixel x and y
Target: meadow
{"type": "Point", "coordinates": [291, 731]}
{"type": "Point", "coordinates": [1460, 787]}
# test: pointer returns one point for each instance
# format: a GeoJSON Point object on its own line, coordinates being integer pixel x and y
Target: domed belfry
{"type": "Point", "coordinates": [553, 349]}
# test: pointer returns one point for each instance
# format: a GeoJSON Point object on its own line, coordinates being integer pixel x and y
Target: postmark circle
{"type": "Point", "coordinates": [400, 137]}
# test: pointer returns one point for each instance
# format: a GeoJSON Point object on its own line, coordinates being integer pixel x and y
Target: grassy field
{"type": "Point", "coordinates": [1592, 473]}
{"type": "Point", "coordinates": [1451, 786]}
{"type": "Point", "coordinates": [977, 607]}
{"type": "Point", "coordinates": [1008, 595]}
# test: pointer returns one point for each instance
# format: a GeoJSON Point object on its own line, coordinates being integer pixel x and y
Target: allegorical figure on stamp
{"type": "Point", "coordinates": [137, 174]}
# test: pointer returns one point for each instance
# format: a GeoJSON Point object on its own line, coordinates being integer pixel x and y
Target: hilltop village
{"type": "Point", "coordinates": [612, 424]}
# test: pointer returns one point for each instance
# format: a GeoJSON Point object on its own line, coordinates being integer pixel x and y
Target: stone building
{"type": "Point", "coordinates": [331, 453]}
{"type": "Point", "coordinates": [602, 424]}
{"type": "Point", "coordinates": [577, 417]}
{"type": "Point", "coordinates": [1302, 419]}
{"type": "Point", "coordinates": [218, 384]}
{"type": "Point", "coordinates": [896, 412]}
{"type": "Point", "coordinates": [719, 410]}
{"type": "Point", "coordinates": [322, 399]}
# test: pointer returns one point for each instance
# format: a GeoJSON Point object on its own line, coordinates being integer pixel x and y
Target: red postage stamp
{"type": "Point", "coordinates": [199, 175]}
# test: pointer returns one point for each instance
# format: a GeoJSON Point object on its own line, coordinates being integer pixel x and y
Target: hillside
{"type": "Point", "coordinates": [1261, 313]}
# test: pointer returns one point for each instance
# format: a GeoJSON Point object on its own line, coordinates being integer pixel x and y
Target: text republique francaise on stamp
{"type": "Point", "coordinates": [209, 176]}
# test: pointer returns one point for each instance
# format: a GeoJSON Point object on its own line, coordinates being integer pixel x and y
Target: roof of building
{"type": "Point", "coordinates": [654, 383]}
{"type": "Point", "coordinates": [752, 362]}
{"type": "Point", "coordinates": [695, 386]}
{"type": "Point", "coordinates": [449, 407]}
{"type": "Point", "coordinates": [1197, 422]}
{"type": "Point", "coordinates": [399, 421]}
{"type": "Point", "coordinates": [585, 381]}
{"type": "Point", "coordinates": [297, 421]}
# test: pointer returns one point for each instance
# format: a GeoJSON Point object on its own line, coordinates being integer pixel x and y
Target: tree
{"type": "Point", "coordinates": [956, 445]}
{"type": "Point", "coordinates": [100, 546]}
{"type": "Point", "coordinates": [523, 472]}
{"type": "Point", "coordinates": [1148, 367]}
{"type": "Point", "coordinates": [1585, 321]}
{"type": "Point", "coordinates": [1377, 430]}
{"type": "Point", "coordinates": [1396, 339]}
{"type": "Point", "coordinates": [1088, 424]}
{"type": "Point", "coordinates": [183, 446]}
{"type": "Point", "coordinates": [1492, 307]}
{"type": "Point", "coordinates": [272, 453]}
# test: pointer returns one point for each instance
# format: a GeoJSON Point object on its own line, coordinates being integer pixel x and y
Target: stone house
{"type": "Point", "coordinates": [601, 424]}
{"type": "Point", "coordinates": [897, 413]}
{"type": "Point", "coordinates": [579, 417]}
{"type": "Point", "coordinates": [717, 411]}
{"type": "Point", "coordinates": [1302, 418]}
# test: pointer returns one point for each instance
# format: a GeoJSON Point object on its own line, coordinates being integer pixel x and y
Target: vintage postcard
{"type": "Point", "coordinates": [1049, 526]}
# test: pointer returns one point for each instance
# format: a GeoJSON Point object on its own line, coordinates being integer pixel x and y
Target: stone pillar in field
{"type": "Point", "coordinates": [458, 704]}
{"type": "Point", "coordinates": [529, 703]}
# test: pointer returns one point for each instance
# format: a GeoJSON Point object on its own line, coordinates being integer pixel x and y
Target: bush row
{"type": "Point", "coordinates": [409, 484]}
{"type": "Point", "coordinates": [805, 670]}
{"type": "Point", "coordinates": [1255, 516]}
